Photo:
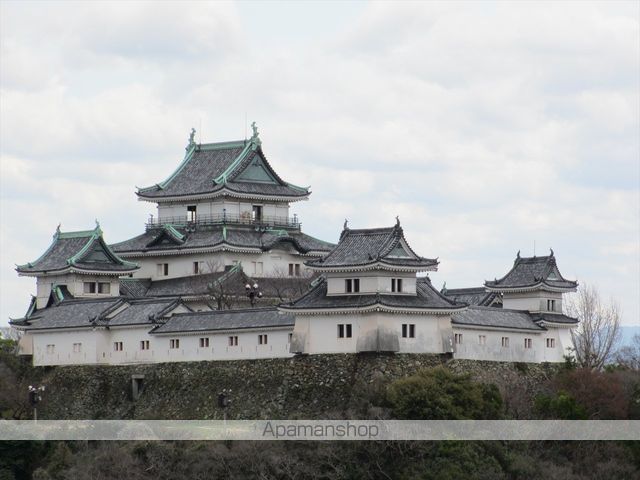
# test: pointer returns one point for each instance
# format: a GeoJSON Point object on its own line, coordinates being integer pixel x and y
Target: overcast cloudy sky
{"type": "Point", "coordinates": [485, 126]}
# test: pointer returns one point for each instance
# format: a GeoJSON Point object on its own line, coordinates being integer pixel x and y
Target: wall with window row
{"type": "Point", "coordinates": [539, 301]}
{"type": "Point", "coordinates": [136, 345]}
{"type": "Point", "coordinates": [233, 208]}
{"type": "Point", "coordinates": [374, 281]}
{"type": "Point", "coordinates": [75, 283]}
{"type": "Point", "coordinates": [274, 263]}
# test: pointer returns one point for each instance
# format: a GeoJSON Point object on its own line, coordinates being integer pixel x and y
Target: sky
{"type": "Point", "coordinates": [488, 127]}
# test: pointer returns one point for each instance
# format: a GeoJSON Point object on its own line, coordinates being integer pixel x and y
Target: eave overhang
{"type": "Point", "coordinates": [222, 330]}
{"type": "Point", "coordinates": [74, 269]}
{"type": "Point", "coordinates": [471, 326]}
{"type": "Point", "coordinates": [377, 307]}
{"type": "Point", "coordinates": [216, 248]}
{"type": "Point", "coordinates": [224, 192]}
{"type": "Point", "coordinates": [377, 265]}
{"type": "Point", "coordinates": [529, 288]}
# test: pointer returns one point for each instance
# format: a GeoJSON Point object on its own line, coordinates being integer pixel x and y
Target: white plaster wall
{"type": "Point", "coordinates": [217, 207]}
{"type": "Point", "coordinates": [532, 301]}
{"type": "Point", "coordinates": [375, 281]}
{"type": "Point", "coordinates": [98, 346]}
{"type": "Point", "coordinates": [516, 352]}
{"type": "Point", "coordinates": [275, 263]}
{"type": "Point", "coordinates": [63, 347]}
{"type": "Point", "coordinates": [321, 331]}
{"type": "Point", "coordinates": [75, 285]}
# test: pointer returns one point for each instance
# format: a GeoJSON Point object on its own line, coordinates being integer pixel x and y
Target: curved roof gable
{"type": "Point", "coordinates": [533, 273]}
{"type": "Point", "coordinates": [372, 248]}
{"type": "Point", "coordinates": [228, 168]}
{"type": "Point", "coordinates": [83, 251]}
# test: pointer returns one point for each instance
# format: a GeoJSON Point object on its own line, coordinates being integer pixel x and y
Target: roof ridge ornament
{"type": "Point", "coordinates": [255, 137]}
{"type": "Point", "coordinates": [192, 140]}
{"type": "Point", "coordinates": [551, 249]}
{"type": "Point", "coordinates": [397, 220]}
{"type": "Point", "coordinates": [346, 224]}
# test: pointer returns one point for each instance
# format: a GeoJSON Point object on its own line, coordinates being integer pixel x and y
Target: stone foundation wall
{"type": "Point", "coordinates": [314, 386]}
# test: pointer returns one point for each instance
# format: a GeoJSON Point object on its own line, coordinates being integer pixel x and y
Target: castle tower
{"type": "Point", "coordinates": [369, 299]}
{"type": "Point", "coordinates": [76, 264]}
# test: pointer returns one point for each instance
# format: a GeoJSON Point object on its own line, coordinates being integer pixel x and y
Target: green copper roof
{"type": "Point", "coordinates": [82, 250]}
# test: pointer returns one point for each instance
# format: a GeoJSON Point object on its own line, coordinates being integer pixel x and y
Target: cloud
{"type": "Point", "coordinates": [486, 127]}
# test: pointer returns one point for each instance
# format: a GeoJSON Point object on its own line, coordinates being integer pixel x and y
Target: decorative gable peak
{"type": "Point", "coordinates": [81, 251]}
{"type": "Point", "coordinates": [532, 273]}
{"type": "Point", "coordinates": [373, 248]}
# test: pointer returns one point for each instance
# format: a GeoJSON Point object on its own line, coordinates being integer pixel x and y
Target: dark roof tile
{"type": "Point", "coordinates": [226, 320]}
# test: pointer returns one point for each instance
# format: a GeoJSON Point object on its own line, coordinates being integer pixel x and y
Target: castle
{"type": "Point", "coordinates": [224, 271]}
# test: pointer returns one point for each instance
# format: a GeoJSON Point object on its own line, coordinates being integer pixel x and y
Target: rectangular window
{"type": "Point", "coordinates": [204, 342]}
{"type": "Point", "coordinates": [196, 268]}
{"type": "Point", "coordinates": [482, 339]}
{"type": "Point", "coordinates": [297, 269]}
{"type": "Point", "coordinates": [352, 285]}
{"type": "Point", "coordinates": [551, 305]}
{"type": "Point", "coordinates": [396, 285]}
{"type": "Point", "coordinates": [408, 330]}
{"type": "Point", "coordinates": [256, 213]}
{"type": "Point", "coordinates": [163, 269]}
{"type": "Point", "coordinates": [290, 337]}
{"type": "Point", "coordinates": [174, 343]}
{"type": "Point", "coordinates": [89, 287]}
{"type": "Point", "coordinates": [344, 330]}
{"type": "Point", "coordinates": [51, 349]}
{"type": "Point", "coordinates": [191, 213]}
{"type": "Point", "coordinates": [233, 341]}
{"type": "Point", "coordinates": [259, 268]}
{"type": "Point", "coordinates": [117, 347]}
{"type": "Point", "coordinates": [457, 338]}
{"type": "Point", "coordinates": [551, 343]}
{"type": "Point", "coordinates": [77, 347]}
{"type": "Point", "coordinates": [527, 343]}
{"type": "Point", "coordinates": [291, 269]}
{"type": "Point", "coordinates": [144, 344]}
{"type": "Point", "coordinates": [104, 287]}
{"type": "Point", "coordinates": [262, 339]}
{"type": "Point", "coordinates": [505, 341]}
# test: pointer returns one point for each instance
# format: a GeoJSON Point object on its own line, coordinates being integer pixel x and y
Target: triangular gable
{"type": "Point", "coordinates": [167, 237]}
{"type": "Point", "coordinates": [97, 253]}
{"type": "Point", "coordinates": [256, 171]}
{"type": "Point", "coordinates": [400, 250]}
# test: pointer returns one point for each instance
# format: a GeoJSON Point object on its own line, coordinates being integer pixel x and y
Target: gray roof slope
{"type": "Point", "coordinates": [226, 320]}
{"type": "Point", "coordinates": [141, 312]}
{"type": "Point", "coordinates": [470, 296]}
{"type": "Point", "coordinates": [88, 312]}
{"type": "Point", "coordinates": [224, 235]}
{"type": "Point", "coordinates": [134, 287]}
{"type": "Point", "coordinates": [204, 164]}
{"type": "Point", "coordinates": [554, 318]}
{"type": "Point", "coordinates": [529, 271]}
{"type": "Point", "coordinates": [427, 298]}
{"type": "Point", "coordinates": [495, 317]}
{"type": "Point", "coordinates": [69, 313]}
{"type": "Point", "coordinates": [84, 250]}
{"type": "Point", "coordinates": [368, 246]}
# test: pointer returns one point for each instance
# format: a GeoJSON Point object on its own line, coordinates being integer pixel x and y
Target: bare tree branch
{"type": "Point", "coordinates": [599, 329]}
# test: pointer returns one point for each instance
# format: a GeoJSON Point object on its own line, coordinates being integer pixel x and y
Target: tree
{"type": "Point", "coordinates": [599, 329]}
{"type": "Point", "coordinates": [439, 394]}
{"type": "Point", "coordinates": [629, 355]}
